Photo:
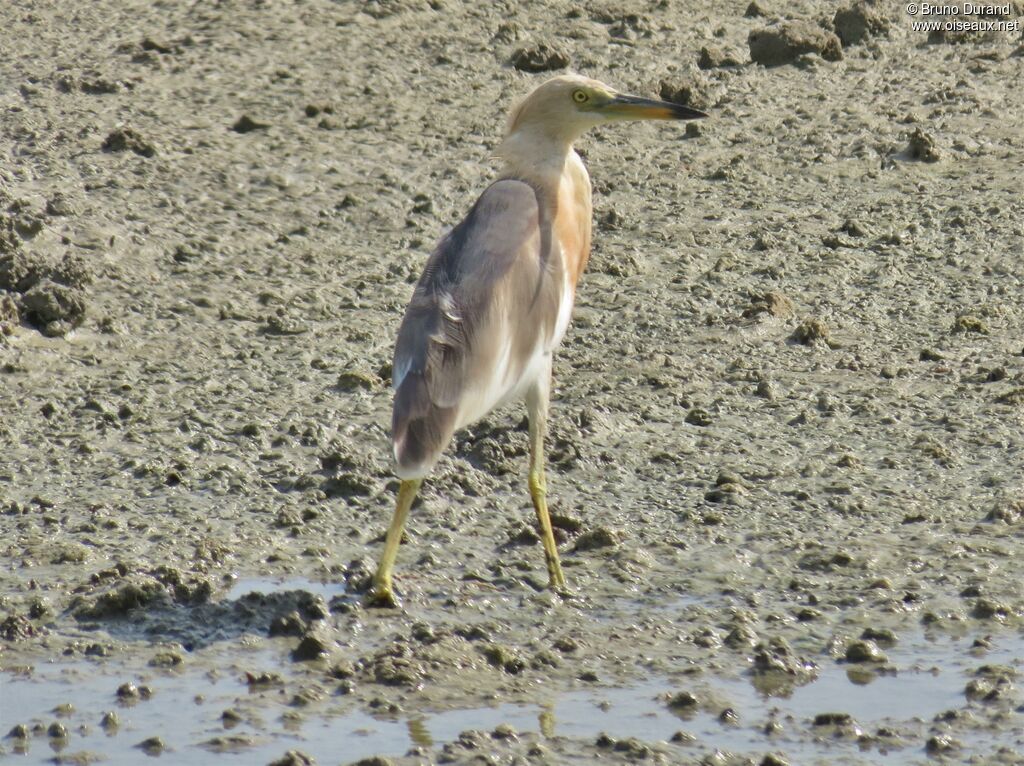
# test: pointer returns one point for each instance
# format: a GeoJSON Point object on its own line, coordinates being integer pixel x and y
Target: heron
{"type": "Point", "coordinates": [495, 298]}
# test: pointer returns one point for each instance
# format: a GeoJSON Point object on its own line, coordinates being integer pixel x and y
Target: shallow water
{"type": "Point", "coordinates": [927, 677]}
{"type": "Point", "coordinates": [245, 585]}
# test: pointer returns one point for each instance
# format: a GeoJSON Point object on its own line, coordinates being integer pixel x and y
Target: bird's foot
{"type": "Point", "coordinates": [381, 597]}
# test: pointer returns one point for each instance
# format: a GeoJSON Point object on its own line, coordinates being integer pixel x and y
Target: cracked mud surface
{"type": "Point", "coordinates": [786, 444]}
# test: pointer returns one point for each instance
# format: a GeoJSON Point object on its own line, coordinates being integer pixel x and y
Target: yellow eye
{"type": "Point", "coordinates": [580, 96]}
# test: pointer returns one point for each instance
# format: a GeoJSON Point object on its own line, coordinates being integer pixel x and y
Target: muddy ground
{"type": "Point", "coordinates": [787, 427]}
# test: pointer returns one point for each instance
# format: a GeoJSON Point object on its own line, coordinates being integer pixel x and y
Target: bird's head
{"type": "Point", "coordinates": [565, 107]}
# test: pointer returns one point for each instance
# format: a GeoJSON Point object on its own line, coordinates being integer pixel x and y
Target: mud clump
{"type": "Point", "coordinates": [541, 57]}
{"type": "Point", "coordinates": [865, 651]}
{"type": "Point", "coordinates": [922, 146]}
{"type": "Point", "coordinates": [713, 57]}
{"type": "Point", "coordinates": [54, 307]}
{"type": "Point", "coordinates": [966, 323]}
{"type": "Point", "coordinates": [33, 287]}
{"type": "Point", "coordinates": [684, 91]}
{"type": "Point", "coordinates": [596, 539]}
{"type": "Point", "coordinates": [811, 332]}
{"type": "Point", "coordinates": [128, 140]}
{"type": "Point", "coordinates": [123, 599]}
{"type": "Point", "coordinates": [294, 758]}
{"type": "Point", "coordinates": [858, 22]}
{"type": "Point", "coordinates": [16, 628]}
{"type": "Point", "coordinates": [785, 43]}
{"type": "Point", "coordinates": [772, 303]}
{"type": "Point", "coordinates": [775, 659]}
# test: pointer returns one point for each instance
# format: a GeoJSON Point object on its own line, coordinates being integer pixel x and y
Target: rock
{"type": "Point", "coordinates": [540, 57]}
{"type": "Point", "coordinates": [856, 23]}
{"type": "Point", "coordinates": [783, 43]}
{"type": "Point", "coordinates": [127, 139]}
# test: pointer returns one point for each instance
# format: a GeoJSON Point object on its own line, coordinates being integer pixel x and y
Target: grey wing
{"type": "Point", "coordinates": [437, 348]}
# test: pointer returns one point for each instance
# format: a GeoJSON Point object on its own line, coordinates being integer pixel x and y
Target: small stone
{"type": "Point", "coordinates": [57, 731]}
{"type": "Point", "coordinates": [774, 759]}
{"type": "Point", "coordinates": [110, 720]}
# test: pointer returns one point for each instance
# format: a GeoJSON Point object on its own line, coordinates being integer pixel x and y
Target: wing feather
{"type": "Point", "coordinates": [437, 348]}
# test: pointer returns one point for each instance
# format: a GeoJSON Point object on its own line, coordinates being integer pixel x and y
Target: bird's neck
{"type": "Point", "coordinates": [554, 168]}
{"type": "Point", "coordinates": [535, 156]}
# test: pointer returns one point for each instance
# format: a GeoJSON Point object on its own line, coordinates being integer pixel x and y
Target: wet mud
{"type": "Point", "coordinates": [787, 427]}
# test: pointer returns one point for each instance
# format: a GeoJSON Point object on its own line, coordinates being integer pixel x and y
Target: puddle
{"type": "Point", "coordinates": [186, 706]}
{"type": "Point", "coordinates": [268, 585]}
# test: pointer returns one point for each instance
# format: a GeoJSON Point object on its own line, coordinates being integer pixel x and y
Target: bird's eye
{"type": "Point", "coordinates": [580, 96]}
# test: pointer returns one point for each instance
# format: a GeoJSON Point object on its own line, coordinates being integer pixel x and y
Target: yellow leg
{"type": "Point", "coordinates": [382, 593]}
{"type": "Point", "coordinates": [537, 404]}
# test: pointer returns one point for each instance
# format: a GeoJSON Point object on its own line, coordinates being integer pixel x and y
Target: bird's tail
{"type": "Point", "coordinates": [420, 430]}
